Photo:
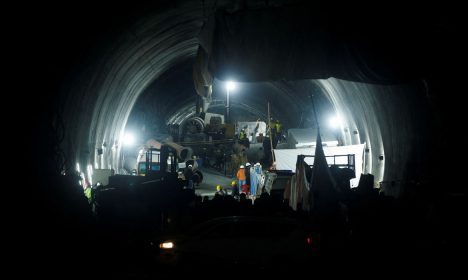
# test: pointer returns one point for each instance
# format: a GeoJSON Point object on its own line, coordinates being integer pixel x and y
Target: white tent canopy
{"type": "Point", "coordinates": [286, 158]}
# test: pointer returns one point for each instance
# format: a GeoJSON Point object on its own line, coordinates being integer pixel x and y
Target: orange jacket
{"type": "Point", "coordinates": [241, 174]}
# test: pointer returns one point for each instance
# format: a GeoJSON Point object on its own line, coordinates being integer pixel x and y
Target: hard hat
{"type": "Point", "coordinates": [233, 182]}
{"type": "Point", "coordinates": [218, 187]}
{"type": "Point", "coordinates": [241, 166]}
{"type": "Point", "coordinates": [190, 165]}
{"type": "Point", "coordinates": [247, 164]}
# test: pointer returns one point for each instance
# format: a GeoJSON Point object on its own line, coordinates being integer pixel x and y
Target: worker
{"type": "Point", "coordinates": [234, 188]}
{"type": "Point", "coordinates": [244, 139]}
{"type": "Point", "coordinates": [242, 134]}
{"type": "Point", "coordinates": [189, 176]}
{"type": "Point", "coordinates": [219, 158]}
{"type": "Point", "coordinates": [278, 130]}
{"type": "Point", "coordinates": [241, 176]}
{"type": "Point", "coordinates": [255, 179]}
{"type": "Point", "coordinates": [220, 191]}
{"type": "Point", "coordinates": [247, 173]}
{"type": "Point", "coordinates": [88, 190]}
{"type": "Point", "coordinates": [260, 138]}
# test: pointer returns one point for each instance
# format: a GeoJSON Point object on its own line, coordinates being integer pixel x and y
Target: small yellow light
{"type": "Point", "coordinates": [166, 245]}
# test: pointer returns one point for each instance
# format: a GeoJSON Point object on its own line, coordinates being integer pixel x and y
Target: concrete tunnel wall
{"type": "Point", "coordinates": [98, 102]}
{"type": "Point", "coordinates": [389, 119]}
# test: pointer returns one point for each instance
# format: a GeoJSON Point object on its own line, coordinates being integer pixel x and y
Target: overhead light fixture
{"type": "Point", "coordinates": [129, 139]}
{"type": "Point", "coordinates": [230, 85]}
{"type": "Point", "coordinates": [335, 122]}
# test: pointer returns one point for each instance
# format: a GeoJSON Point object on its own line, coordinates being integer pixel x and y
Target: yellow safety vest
{"type": "Point", "coordinates": [278, 127]}
{"type": "Point", "coordinates": [242, 135]}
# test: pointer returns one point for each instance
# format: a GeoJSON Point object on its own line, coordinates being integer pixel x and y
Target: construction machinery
{"type": "Point", "coordinates": [158, 159]}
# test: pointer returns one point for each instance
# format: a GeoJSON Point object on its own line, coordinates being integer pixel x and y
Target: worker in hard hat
{"type": "Point", "coordinates": [255, 186]}
{"type": "Point", "coordinates": [234, 188]}
{"type": "Point", "coordinates": [220, 191]}
{"type": "Point", "coordinates": [188, 172]}
{"type": "Point", "coordinates": [241, 176]}
{"type": "Point", "coordinates": [247, 173]}
{"type": "Point", "coordinates": [244, 139]}
{"type": "Point", "coordinates": [278, 130]}
{"type": "Point", "coordinates": [242, 134]}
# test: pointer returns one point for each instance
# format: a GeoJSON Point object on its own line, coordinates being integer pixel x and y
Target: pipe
{"type": "Point", "coordinates": [184, 153]}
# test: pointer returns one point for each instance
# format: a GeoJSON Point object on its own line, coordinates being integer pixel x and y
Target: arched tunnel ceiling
{"type": "Point", "coordinates": [171, 99]}
{"type": "Point", "coordinates": [123, 58]}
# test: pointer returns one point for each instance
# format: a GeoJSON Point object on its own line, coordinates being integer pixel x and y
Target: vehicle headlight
{"type": "Point", "coordinates": [166, 245]}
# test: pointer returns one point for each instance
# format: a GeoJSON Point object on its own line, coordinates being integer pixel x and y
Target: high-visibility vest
{"type": "Point", "coordinates": [242, 135]}
{"type": "Point", "coordinates": [278, 127]}
{"type": "Point", "coordinates": [241, 174]}
{"type": "Point", "coordinates": [88, 194]}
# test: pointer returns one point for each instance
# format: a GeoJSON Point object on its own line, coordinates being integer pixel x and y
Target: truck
{"type": "Point", "coordinates": [167, 157]}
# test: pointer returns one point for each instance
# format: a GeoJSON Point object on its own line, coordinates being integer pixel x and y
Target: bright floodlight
{"type": "Point", "coordinates": [128, 139]}
{"type": "Point", "coordinates": [230, 85]}
{"type": "Point", "coordinates": [335, 122]}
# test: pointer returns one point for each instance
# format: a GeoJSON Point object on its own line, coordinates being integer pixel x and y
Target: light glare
{"type": "Point", "coordinates": [129, 139]}
{"type": "Point", "coordinates": [166, 245]}
{"type": "Point", "coordinates": [335, 122]}
{"type": "Point", "coordinates": [230, 85]}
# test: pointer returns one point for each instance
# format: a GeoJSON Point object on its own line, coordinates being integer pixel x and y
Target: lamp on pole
{"type": "Point", "coordinates": [229, 86]}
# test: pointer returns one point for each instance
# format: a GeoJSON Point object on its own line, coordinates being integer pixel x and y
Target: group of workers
{"type": "Point", "coordinates": [276, 131]}
{"type": "Point", "coordinates": [249, 180]}
{"type": "Point", "coordinates": [274, 135]}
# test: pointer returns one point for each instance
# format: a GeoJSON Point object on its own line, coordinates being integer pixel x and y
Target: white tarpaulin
{"type": "Point", "coordinates": [286, 158]}
{"type": "Point", "coordinates": [306, 137]}
{"type": "Point", "coordinates": [252, 129]}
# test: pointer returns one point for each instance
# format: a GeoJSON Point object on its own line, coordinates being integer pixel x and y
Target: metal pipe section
{"type": "Point", "coordinates": [184, 153]}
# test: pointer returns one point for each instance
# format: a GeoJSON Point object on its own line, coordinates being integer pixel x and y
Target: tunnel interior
{"type": "Point", "coordinates": [391, 73]}
{"type": "Point", "coordinates": [385, 78]}
{"type": "Point", "coordinates": [153, 56]}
